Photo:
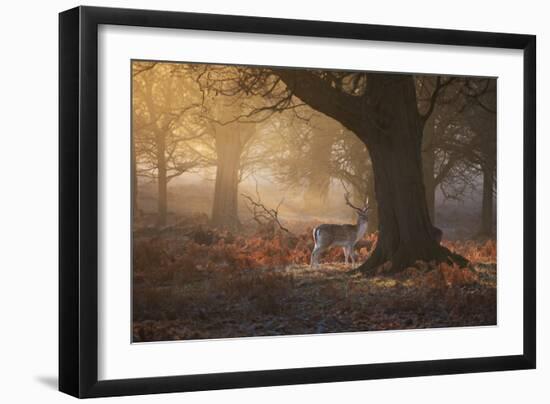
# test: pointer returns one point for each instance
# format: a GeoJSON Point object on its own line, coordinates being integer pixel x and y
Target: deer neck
{"type": "Point", "coordinates": [361, 229]}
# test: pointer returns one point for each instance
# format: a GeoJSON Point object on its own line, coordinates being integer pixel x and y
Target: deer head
{"type": "Point", "coordinates": [361, 212]}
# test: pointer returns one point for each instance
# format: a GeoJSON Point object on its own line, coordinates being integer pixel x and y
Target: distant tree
{"type": "Point", "coordinates": [480, 116]}
{"type": "Point", "coordinates": [459, 141]}
{"type": "Point", "coordinates": [437, 100]}
{"type": "Point", "coordinates": [227, 146]}
{"type": "Point", "coordinates": [137, 69]}
{"type": "Point", "coordinates": [230, 143]}
{"type": "Point", "coordinates": [352, 165]}
{"type": "Point", "coordinates": [313, 152]}
{"type": "Point", "coordinates": [165, 117]}
{"type": "Point", "coordinates": [300, 155]}
{"type": "Point", "coordinates": [317, 161]}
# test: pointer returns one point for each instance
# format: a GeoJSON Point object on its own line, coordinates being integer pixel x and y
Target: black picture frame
{"type": "Point", "coordinates": [78, 201]}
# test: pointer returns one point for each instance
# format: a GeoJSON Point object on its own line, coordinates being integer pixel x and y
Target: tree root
{"type": "Point", "coordinates": [403, 258]}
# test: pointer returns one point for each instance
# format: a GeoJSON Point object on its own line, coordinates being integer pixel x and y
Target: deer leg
{"type": "Point", "coordinates": [345, 255]}
{"type": "Point", "coordinates": [352, 256]}
{"type": "Point", "coordinates": [315, 256]}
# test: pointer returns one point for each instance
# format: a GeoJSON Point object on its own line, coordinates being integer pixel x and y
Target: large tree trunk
{"type": "Point", "coordinates": [487, 204]}
{"type": "Point", "coordinates": [429, 182]}
{"type": "Point", "coordinates": [162, 201]}
{"type": "Point", "coordinates": [405, 230]}
{"type": "Point", "coordinates": [428, 166]}
{"type": "Point", "coordinates": [225, 208]}
{"type": "Point", "coordinates": [373, 222]}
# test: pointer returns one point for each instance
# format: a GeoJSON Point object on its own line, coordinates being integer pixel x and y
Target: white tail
{"type": "Point", "coordinates": [340, 235]}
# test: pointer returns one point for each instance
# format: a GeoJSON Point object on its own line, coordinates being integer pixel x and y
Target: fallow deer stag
{"type": "Point", "coordinates": [340, 235]}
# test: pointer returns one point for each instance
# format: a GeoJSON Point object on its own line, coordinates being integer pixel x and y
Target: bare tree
{"type": "Point", "coordinates": [266, 218]}
{"type": "Point", "coordinates": [481, 118]}
{"type": "Point", "coordinates": [231, 140]}
{"type": "Point", "coordinates": [459, 142]}
{"type": "Point", "coordinates": [165, 117]}
{"type": "Point", "coordinates": [434, 94]}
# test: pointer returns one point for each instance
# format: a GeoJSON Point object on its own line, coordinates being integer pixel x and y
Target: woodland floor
{"type": "Point", "coordinates": [189, 287]}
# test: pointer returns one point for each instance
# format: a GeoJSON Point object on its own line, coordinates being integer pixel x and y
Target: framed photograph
{"type": "Point", "coordinates": [251, 201]}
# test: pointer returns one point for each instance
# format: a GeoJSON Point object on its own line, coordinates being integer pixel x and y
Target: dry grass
{"type": "Point", "coordinates": [235, 286]}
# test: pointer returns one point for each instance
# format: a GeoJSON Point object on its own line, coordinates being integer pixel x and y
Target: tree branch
{"type": "Point", "coordinates": [321, 96]}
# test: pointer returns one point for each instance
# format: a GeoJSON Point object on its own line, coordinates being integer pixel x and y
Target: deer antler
{"type": "Point", "coordinates": [351, 205]}
{"type": "Point", "coordinates": [346, 196]}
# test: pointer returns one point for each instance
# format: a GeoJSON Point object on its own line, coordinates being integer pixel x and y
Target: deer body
{"type": "Point", "coordinates": [338, 235]}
